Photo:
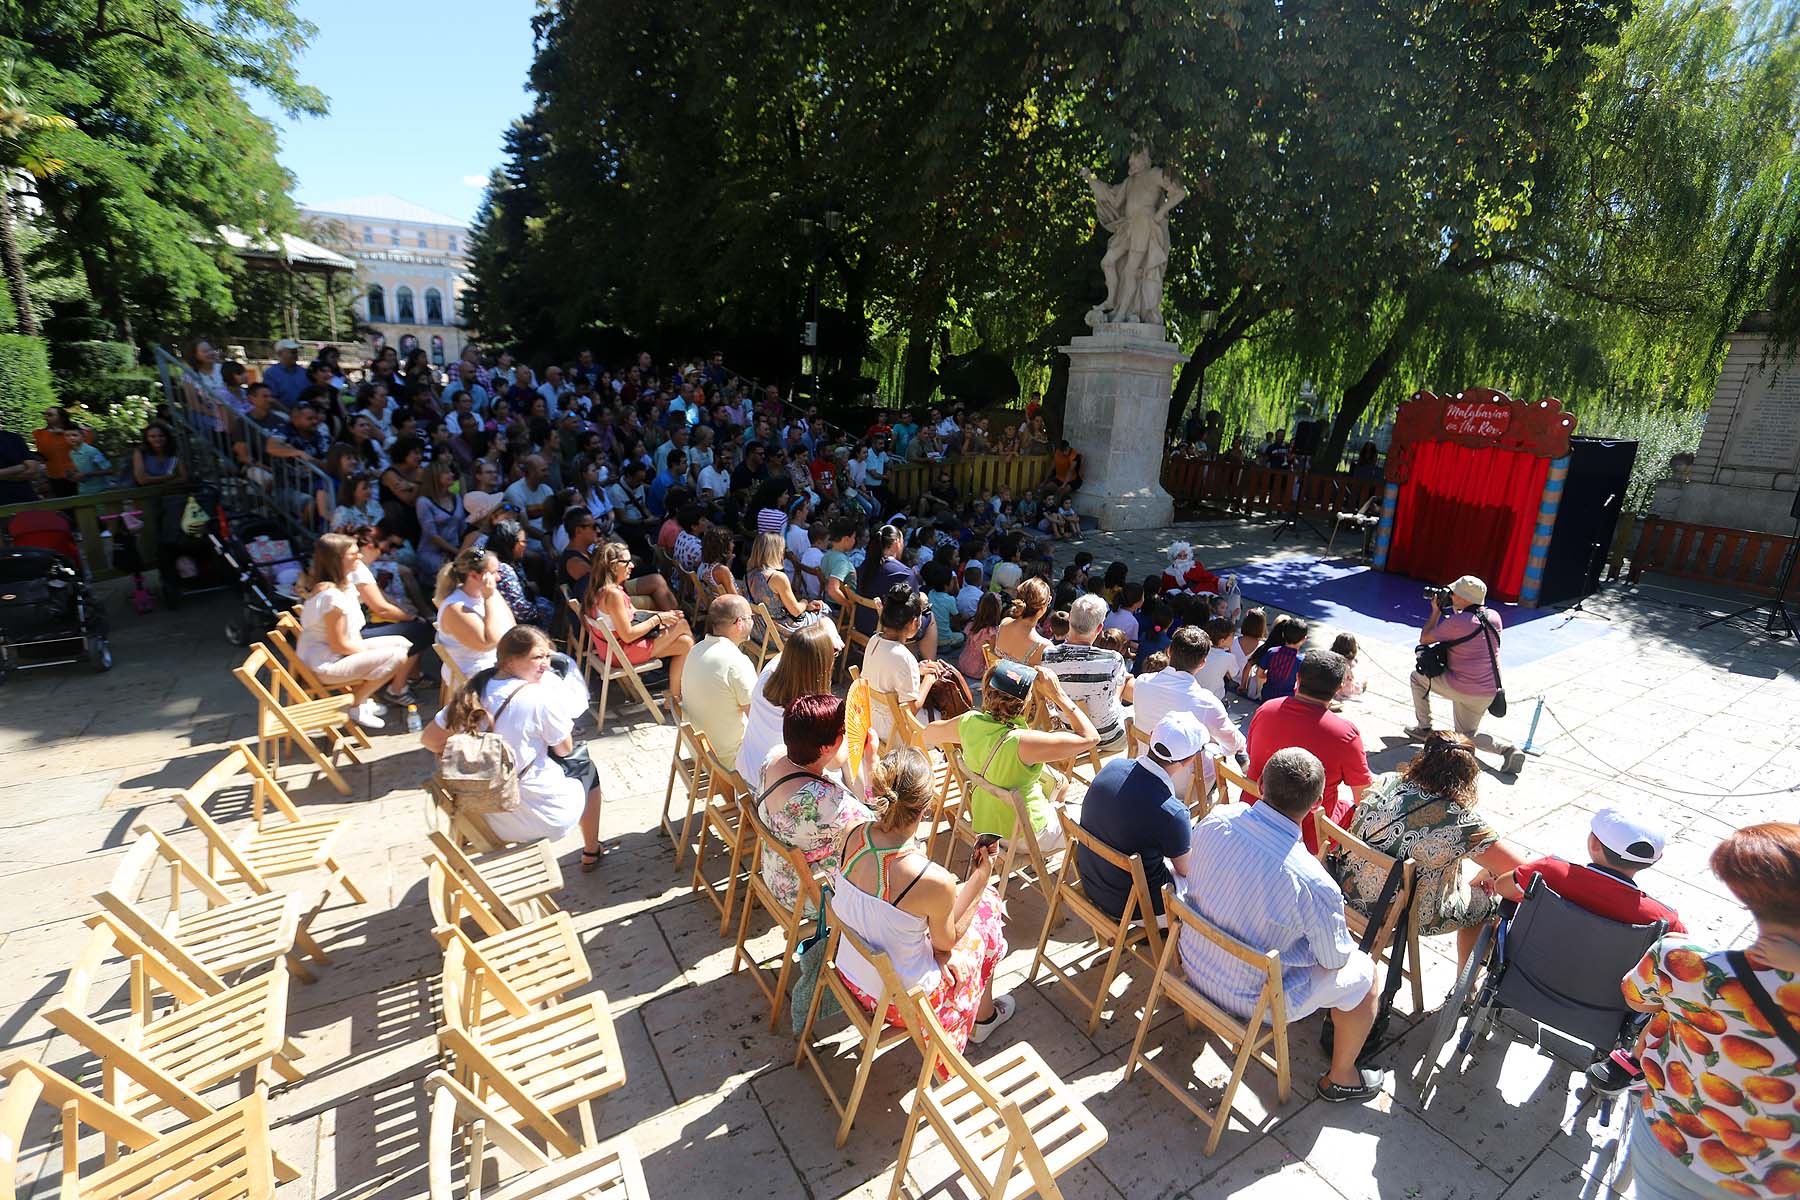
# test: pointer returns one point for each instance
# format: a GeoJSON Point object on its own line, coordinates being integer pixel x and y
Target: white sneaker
{"type": "Point", "coordinates": [368, 714]}
{"type": "Point", "coordinates": [1003, 1011]}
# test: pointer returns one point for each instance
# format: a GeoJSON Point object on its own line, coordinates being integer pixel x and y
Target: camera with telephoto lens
{"type": "Point", "coordinates": [1439, 594]}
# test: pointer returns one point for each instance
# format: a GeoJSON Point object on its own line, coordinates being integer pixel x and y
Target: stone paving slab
{"type": "Point", "coordinates": [713, 1100]}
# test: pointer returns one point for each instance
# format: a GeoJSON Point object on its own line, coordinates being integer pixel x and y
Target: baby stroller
{"type": "Point", "coordinates": [262, 562]}
{"type": "Point", "coordinates": [48, 617]}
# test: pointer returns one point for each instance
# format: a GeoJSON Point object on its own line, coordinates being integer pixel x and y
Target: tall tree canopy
{"type": "Point", "coordinates": [160, 147]}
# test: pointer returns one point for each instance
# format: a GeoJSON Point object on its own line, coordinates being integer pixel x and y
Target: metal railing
{"type": "Point", "coordinates": [228, 453]}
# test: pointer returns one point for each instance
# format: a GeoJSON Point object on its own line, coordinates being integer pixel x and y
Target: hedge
{"type": "Point", "coordinates": [25, 390]}
{"type": "Point", "coordinates": [98, 393]}
{"type": "Point", "coordinates": [84, 360]}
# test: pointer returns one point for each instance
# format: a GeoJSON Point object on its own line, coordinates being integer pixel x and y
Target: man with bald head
{"type": "Point", "coordinates": [718, 677]}
{"type": "Point", "coordinates": [528, 494]}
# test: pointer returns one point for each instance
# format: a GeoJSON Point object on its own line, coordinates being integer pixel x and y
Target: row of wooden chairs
{"type": "Point", "coordinates": [207, 1000]}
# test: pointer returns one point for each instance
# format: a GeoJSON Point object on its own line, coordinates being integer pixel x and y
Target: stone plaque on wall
{"type": "Point", "coordinates": [1766, 433]}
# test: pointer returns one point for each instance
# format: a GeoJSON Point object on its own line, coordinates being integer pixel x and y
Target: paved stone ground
{"type": "Point", "coordinates": [1703, 721]}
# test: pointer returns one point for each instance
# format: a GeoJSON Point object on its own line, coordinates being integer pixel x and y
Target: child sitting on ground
{"type": "Point", "coordinates": [1277, 664]}
{"type": "Point", "coordinates": [971, 593]}
{"type": "Point", "coordinates": [1065, 523]}
{"type": "Point", "coordinates": [1114, 583]}
{"type": "Point", "coordinates": [1124, 617]}
{"type": "Point", "coordinates": [1248, 641]}
{"type": "Point", "coordinates": [1154, 632]}
{"type": "Point", "coordinates": [1217, 667]}
{"type": "Point", "coordinates": [1352, 687]}
{"type": "Point", "coordinates": [937, 576]}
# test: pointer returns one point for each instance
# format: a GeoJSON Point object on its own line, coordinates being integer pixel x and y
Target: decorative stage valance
{"type": "Point", "coordinates": [1479, 418]}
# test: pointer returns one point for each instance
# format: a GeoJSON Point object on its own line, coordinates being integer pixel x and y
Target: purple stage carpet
{"type": "Point", "coordinates": [1392, 608]}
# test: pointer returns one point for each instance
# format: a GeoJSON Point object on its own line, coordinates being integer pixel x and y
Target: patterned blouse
{"type": "Point", "coordinates": [809, 819]}
{"type": "Point", "coordinates": [1397, 818]}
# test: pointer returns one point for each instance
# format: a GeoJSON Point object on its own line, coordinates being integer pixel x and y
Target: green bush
{"type": "Point", "coordinates": [9, 313]}
{"type": "Point", "coordinates": [100, 392]}
{"type": "Point", "coordinates": [25, 390]}
{"type": "Point", "coordinates": [86, 360]}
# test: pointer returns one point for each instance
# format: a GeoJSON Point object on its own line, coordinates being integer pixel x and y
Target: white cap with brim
{"type": "Point", "coordinates": [1178, 736]}
{"type": "Point", "coordinates": [1629, 835]}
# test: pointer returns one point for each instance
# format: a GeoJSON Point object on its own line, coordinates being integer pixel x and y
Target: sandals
{"type": "Point", "coordinates": [589, 860]}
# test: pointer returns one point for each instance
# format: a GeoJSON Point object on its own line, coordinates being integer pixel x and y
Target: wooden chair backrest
{"type": "Point", "coordinates": [1020, 1145]}
{"type": "Point", "coordinates": [468, 980]}
{"type": "Point", "coordinates": [1138, 905]}
{"type": "Point", "coordinates": [1270, 1001]}
{"type": "Point", "coordinates": [240, 759]}
{"type": "Point", "coordinates": [454, 1106]}
{"type": "Point", "coordinates": [484, 1076]}
{"type": "Point", "coordinates": [457, 680]}
{"type": "Point", "coordinates": [893, 991]}
{"type": "Point", "coordinates": [120, 899]}
{"type": "Point", "coordinates": [767, 843]}
{"type": "Point", "coordinates": [1225, 772]}
{"type": "Point", "coordinates": [282, 691]}
{"type": "Point", "coordinates": [1330, 834]}
{"type": "Point", "coordinates": [463, 828]}
{"type": "Point", "coordinates": [469, 876]}
{"type": "Point", "coordinates": [452, 901]}
{"type": "Point", "coordinates": [1136, 741]}
{"type": "Point", "coordinates": [285, 637]}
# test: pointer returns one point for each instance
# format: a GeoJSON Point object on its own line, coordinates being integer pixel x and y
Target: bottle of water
{"type": "Point", "coordinates": [413, 723]}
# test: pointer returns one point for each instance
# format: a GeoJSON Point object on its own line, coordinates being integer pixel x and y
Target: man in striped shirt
{"type": "Point", "coordinates": [1249, 874]}
{"type": "Point", "coordinates": [1095, 678]}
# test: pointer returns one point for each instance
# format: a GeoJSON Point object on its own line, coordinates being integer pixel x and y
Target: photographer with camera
{"type": "Point", "coordinates": [1458, 657]}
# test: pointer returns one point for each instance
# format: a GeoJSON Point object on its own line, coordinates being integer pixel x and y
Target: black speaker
{"type": "Point", "coordinates": [1794, 512]}
{"type": "Point", "coordinates": [1593, 495]}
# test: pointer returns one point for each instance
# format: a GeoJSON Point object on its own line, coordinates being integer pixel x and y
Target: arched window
{"type": "Point", "coordinates": [434, 307]}
{"type": "Point", "coordinates": [377, 303]}
{"type": "Point", "coordinates": [437, 350]}
{"type": "Point", "coordinates": [403, 305]}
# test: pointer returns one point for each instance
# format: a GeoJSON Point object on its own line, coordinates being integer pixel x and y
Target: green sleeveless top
{"type": "Point", "coordinates": [990, 813]}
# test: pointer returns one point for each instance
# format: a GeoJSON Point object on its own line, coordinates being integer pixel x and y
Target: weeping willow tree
{"type": "Point", "coordinates": [1654, 221]}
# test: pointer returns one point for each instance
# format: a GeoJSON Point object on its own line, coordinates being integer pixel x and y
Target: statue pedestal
{"type": "Point", "coordinates": [1120, 377]}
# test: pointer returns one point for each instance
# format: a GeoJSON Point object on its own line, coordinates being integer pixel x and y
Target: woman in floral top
{"type": "Point", "coordinates": [1721, 1051]}
{"type": "Point", "coordinates": [1426, 812]}
{"type": "Point", "coordinates": [804, 801]}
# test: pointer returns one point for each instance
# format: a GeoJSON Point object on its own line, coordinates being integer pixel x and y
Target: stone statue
{"type": "Point", "coordinates": [1136, 214]}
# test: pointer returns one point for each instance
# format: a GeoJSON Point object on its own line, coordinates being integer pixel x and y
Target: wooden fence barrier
{"type": "Point", "coordinates": [1248, 488]}
{"type": "Point", "coordinates": [86, 511]}
{"type": "Point", "coordinates": [1738, 558]}
{"type": "Point", "coordinates": [973, 475]}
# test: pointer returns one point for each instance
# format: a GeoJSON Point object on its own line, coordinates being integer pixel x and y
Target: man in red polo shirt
{"type": "Point", "coordinates": [1305, 719]}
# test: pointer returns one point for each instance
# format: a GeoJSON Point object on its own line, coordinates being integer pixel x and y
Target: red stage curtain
{"type": "Point", "coordinates": [1468, 511]}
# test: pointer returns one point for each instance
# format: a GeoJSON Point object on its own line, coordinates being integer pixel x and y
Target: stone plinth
{"type": "Point", "coordinates": [1120, 377]}
{"type": "Point", "coordinates": [1748, 463]}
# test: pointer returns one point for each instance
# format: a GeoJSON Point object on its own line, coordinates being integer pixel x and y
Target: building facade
{"type": "Point", "coordinates": [411, 270]}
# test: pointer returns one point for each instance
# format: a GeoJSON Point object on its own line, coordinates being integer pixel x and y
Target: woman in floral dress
{"type": "Point", "coordinates": [804, 801]}
{"type": "Point", "coordinates": [1427, 812]}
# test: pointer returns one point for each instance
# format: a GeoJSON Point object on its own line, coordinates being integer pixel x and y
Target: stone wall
{"type": "Point", "coordinates": [1748, 464]}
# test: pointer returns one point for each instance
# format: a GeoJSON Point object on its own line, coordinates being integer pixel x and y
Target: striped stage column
{"type": "Point", "coordinates": [1384, 532]}
{"type": "Point", "coordinates": [1540, 537]}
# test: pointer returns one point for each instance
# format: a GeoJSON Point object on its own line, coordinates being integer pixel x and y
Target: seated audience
{"type": "Point", "coordinates": [1175, 688]}
{"type": "Point", "coordinates": [642, 636]}
{"type": "Point", "coordinates": [1305, 719]}
{"type": "Point", "coordinates": [1275, 667]}
{"type": "Point", "coordinates": [1249, 875]}
{"type": "Point", "coordinates": [803, 668]}
{"type": "Point", "coordinates": [471, 616]}
{"type": "Point", "coordinates": [944, 937]}
{"type": "Point", "coordinates": [718, 677]}
{"type": "Point", "coordinates": [768, 584]}
{"type": "Point", "coordinates": [1137, 806]}
{"type": "Point", "coordinates": [331, 641]}
{"type": "Point", "coordinates": [803, 799]}
{"type": "Point", "coordinates": [1019, 639]}
{"type": "Point", "coordinates": [1097, 679]}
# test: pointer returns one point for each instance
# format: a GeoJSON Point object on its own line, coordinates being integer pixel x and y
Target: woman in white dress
{"type": "Point", "coordinates": [532, 697]}
{"type": "Point", "coordinates": [331, 640]}
{"type": "Point", "coordinates": [803, 668]}
{"type": "Point", "coordinates": [472, 617]}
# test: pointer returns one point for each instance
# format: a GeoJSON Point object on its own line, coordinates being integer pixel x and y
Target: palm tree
{"type": "Point", "coordinates": [20, 151]}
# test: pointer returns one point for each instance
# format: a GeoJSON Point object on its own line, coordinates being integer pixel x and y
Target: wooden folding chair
{"type": "Point", "coordinates": [877, 1035]}
{"type": "Point", "coordinates": [1020, 852]}
{"type": "Point", "coordinates": [274, 848]}
{"type": "Point", "coordinates": [771, 641]}
{"type": "Point", "coordinates": [690, 586]}
{"type": "Point", "coordinates": [151, 1063]}
{"type": "Point", "coordinates": [226, 938]}
{"type": "Point", "coordinates": [1262, 1037]}
{"type": "Point", "coordinates": [609, 1171]}
{"type": "Point", "coordinates": [606, 658]}
{"type": "Point", "coordinates": [1133, 932]}
{"type": "Point", "coordinates": [1227, 776]}
{"type": "Point", "coordinates": [688, 764]}
{"type": "Point", "coordinates": [468, 830]}
{"type": "Point", "coordinates": [1328, 834]}
{"type": "Point", "coordinates": [847, 623]}
{"type": "Point", "coordinates": [223, 1156]}
{"type": "Point", "coordinates": [520, 970]}
{"type": "Point", "coordinates": [285, 638]}
{"type": "Point", "coordinates": [285, 712]}
{"type": "Point", "coordinates": [722, 816]}
{"type": "Point", "coordinates": [1011, 1125]}
{"type": "Point", "coordinates": [794, 920]}
{"type": "Point", "coordinates": [536, 1066]}
{"type": "Point", "coordinates": [946, 792]}
{"type": "Point", "coordinates": [454, 679]}
{"type": "Point", "coordinates": [514, 887]}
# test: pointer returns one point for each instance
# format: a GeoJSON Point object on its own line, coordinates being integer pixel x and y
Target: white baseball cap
{"type": "Point", "coordinates": [1178, 735]}
{"type": "Point", "coordinates": [1629, 835]}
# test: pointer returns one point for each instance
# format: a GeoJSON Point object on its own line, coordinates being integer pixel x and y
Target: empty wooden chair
{"type": "Point", "coordinates": [286, 712]}
{"type": "Point", "coordinates": [1377, 865]}
{"type": "Point", "coordinates": [210, 945]}
{"type": "Point", "coordinates": [153, 1062]}
{"type": "Point", "coordinates": [877, 1036]}
{"type": "Point", "coordinates": [1011, 1125]}
{"type": "Point", "coordinates": [1134, 932]}
{"type": "Point", "coordinates": [722, 817]}
{"type": "Point", "coordinates": [794, 920]}
{"type": "Point", "coordinates": [534, 1067]}
{"type": "Point", "coordinates": [519, 970]}
{"type": "Point", "coordinates": [606, 658]}
{"type": "Point", "coordinates": [1261, 1037]}
{"type": "Point", "coordinates": [609, 1171]}
{"type": "Point", "coordinates": [513, 887]}
{"type": "Point", "coordinates": [223, 1156]}
{"type": "Point", "coordinates": [279, 844]}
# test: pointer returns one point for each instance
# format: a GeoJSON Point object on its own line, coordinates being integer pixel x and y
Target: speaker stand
{"type": "Point", "coordinates": [1589, 572]}
{"type": "Point", "coordinates": [1297, 517]}
{"type": "Point", "coordinates": [1781, 622]}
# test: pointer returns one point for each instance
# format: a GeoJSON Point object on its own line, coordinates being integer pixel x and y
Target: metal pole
{"type": "Point", "coordinates": [1531, 734]}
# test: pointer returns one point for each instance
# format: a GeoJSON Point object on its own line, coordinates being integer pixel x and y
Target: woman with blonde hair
{"type": "Point", "coordinates": [1018, 638]}
{"type": "Point", "coordinates": [331, 641]}
{"type": "Point", "coordinates": [803, 668]}
{"type": "Point", "coordinates": [472, 616]}
{"type": "Point", "coordinates": [643, 636]}
{"type": "Point", "coordinates": [768, 585]}
{"type": "Point", "coordinates": [942, 935]}
{"type": "Point", "coordinates": [532, 698]}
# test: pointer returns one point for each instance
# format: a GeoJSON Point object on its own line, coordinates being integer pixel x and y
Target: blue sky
{"type": "Point", "coordinates": [421, 92]}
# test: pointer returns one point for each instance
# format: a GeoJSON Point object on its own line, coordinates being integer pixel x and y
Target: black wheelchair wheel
{"type": "Point", "coordinates": [1468, 982]}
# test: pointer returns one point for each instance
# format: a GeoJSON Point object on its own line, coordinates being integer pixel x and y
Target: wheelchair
{"type": "Point", "coordinates": [1552, 962]}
